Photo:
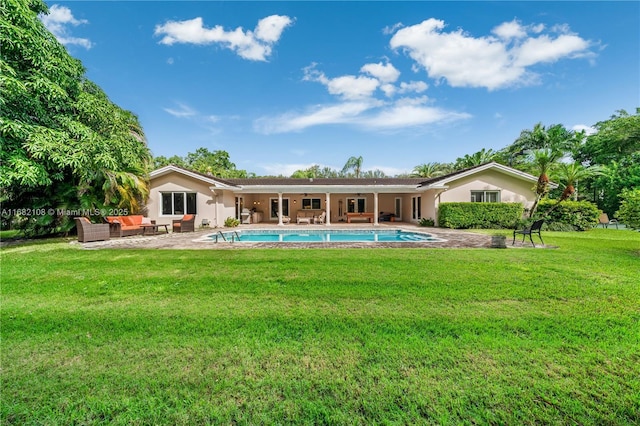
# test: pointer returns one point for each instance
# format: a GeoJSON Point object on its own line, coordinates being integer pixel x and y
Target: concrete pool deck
{"type": "Point", "coordinates": [194, 240]}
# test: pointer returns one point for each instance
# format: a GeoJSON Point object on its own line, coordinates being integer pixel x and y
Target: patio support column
{"type": "Point", "coordinates": [327, 216]}
{"type": "Point", "coordinates": [280, 209]}
{"type": "Point", "coordinates": [375, 209]}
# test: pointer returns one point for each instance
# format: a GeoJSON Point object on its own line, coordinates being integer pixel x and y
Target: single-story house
{"type": "Point", "coordinates": [176, 191]}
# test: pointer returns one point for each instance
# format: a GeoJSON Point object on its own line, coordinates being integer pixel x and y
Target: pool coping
{"type": "Point", "coordinates": [189, 241]}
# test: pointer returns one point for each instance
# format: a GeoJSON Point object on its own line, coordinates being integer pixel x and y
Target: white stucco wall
{"type": "Point", "coordinates": [174, 182]}
{"type": "Point", "coordinates": [512, 190]}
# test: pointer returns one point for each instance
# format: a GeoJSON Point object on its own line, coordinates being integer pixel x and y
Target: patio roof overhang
{"type": "Point", "coordinates": [323, 189]}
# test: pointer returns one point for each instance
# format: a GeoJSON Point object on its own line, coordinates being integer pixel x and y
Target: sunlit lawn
{"type": "Point", "coordinates": [334, 336]}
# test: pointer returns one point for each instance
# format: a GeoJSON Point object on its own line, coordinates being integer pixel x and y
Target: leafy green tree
{"type": "Point", "coordinates": [216, 163]}
{"type": "Point", "coordinates": [616, 146]}
{"type": "Point", "coordinates": [162, 161]}
{"type": "Point", "coordinates": [629, 212]}
{"type": "Point", "coordinates": [64, 144]}
{"type": "Point", "coordinates": [615, 139]}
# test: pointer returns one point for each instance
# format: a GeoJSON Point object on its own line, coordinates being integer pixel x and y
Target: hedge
{"type": "Point", "coordinates": [479, 215]}
{"type": "Point", "coordinates": [568, 215]}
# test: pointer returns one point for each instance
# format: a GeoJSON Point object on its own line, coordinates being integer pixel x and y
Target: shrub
{"type": "Point", "coordinates": [629, 212]}
{"type": "Point", "coordinates": [479, 215]}
{"type": "Point", "coordinates": [427, 222]}
{"type": "Point", "coordinates": [231, 222]}
{"type": "Point", "coordinates": [568, 215]}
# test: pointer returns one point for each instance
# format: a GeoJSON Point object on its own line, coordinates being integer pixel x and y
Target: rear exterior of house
{"type": "Point", "coordinates": [176, 191]}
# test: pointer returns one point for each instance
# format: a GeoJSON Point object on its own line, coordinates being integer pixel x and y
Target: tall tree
{"type": "Point", "coordinates": [543, 161]}
{"type": "Point", "coordinates": [64, 144]}
{"type": "Point", "coordinates": [428, 170]}
{"type": "Point", "coordinates": [355, 164]}
{"type": "Point", "coordinates": [481, 157]}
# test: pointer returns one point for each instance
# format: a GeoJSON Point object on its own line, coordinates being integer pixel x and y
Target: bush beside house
{"type": "Point", "coordinates": [629, 212]}
{"type": "Point", "coordinates": [479, 215]}
{"type": "Point", "coordinates": [568, 215]}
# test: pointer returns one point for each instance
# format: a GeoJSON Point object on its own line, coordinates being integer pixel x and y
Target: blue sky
{"type": "Point", "coordinates": [285, 85]}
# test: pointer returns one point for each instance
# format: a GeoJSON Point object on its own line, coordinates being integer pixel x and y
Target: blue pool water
{"type": "Point", "coordinates": [320, 235]}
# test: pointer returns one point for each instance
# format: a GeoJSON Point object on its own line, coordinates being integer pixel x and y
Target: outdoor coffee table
{"type": "Point", "coordinates": [154, 228]}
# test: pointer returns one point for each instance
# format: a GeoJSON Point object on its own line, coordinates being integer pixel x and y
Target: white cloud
{"type": "Point", "coordinates": [348, 87]}
{"type": "Point", "coordinates": [510, 30]}
{"type": "Point", "coordinates": [58, 22]}
{"type": "Point", "coordinates": [357, 104]}
{"type": "Point", "coordinates": [341, 113]}
{"type": "Point", "coordinates": [183, 111]}
{"type": "Point", "coordinates": [409, 112]}
{"type": "Point", "coordinates": [252, 45]}
{"type": "Point", "coordinates": [270, 29]}
{"type": "Point", "coordinates": [491, 62]}
{"type": "Point", "coordinates": [386, 73]}
{"type": "Point", "coordinates": [392, 29]}
{"type": "Point", "coordinates": [545, 49]}
{"type": "Point", "coordinates": [413, 86]}
{"type": "Point", "coordinates": [372, 115]}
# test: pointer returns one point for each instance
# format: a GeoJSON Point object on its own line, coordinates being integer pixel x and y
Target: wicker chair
{"type": "Point", "coordinates": [88, 231]}
{"type": "Point", "coordinates": [186, 224]}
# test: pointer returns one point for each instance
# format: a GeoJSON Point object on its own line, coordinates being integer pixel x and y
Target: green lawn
{"type": "Point", "coordinates": [335, 336]}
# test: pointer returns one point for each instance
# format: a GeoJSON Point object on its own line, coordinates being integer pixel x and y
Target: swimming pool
{"type": "Point", "coordinates": [322, 235]}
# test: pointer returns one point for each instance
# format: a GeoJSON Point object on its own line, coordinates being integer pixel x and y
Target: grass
{"type": "Point", "coordinates": [387, 336]}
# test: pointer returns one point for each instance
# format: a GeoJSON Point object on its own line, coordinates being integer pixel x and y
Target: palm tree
{"type": "Point", "coordinates": [355, 164]}
{"type": "Point", "coordinates": [570, 174]}
{"type": "Point", "coordinates": [481, 157]}
{"type": "Point", "coordinates": [543, 161]}
{"type": "Point", "coordinates": [428, 170]}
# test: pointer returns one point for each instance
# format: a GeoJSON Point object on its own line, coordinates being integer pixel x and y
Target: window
{"type": "Point", "coordinates": [485, 196]}
{"type": "Point", "coordinates": [178, 203]}
{"type": "Point", "coordinates": [356, 205]}
{"type": "Point", "coordinates": [311, 203]}
{"type": "Point", "coordinates": [416, 208]}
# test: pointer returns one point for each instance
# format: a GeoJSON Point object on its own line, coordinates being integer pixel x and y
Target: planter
{"type": "Point", "coordinates": [498, 241]}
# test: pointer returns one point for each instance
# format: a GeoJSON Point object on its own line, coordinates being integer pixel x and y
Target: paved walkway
{"type": "Point", "coordinates": [198, 240]}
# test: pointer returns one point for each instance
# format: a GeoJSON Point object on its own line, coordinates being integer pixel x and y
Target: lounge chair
{"type": "Point", "coordinates": [286, 219]}
{"type": "Point", "coordinates": [88, 231]}
{"type": "Point", "coordinates": [605, 221]}
{"type": "Point", "coordinates": [533, 229]}
{"type": "Point", "coordinates": [320, 218]}
{"type": "Point", "coordinates": [186, 224]}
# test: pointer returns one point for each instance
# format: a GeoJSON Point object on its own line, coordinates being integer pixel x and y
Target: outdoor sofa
{"type": "Point", "coordinates": [123, 226]}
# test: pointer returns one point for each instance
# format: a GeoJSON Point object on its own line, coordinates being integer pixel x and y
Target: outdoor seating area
{"type": "Point", "coordinates": [186, 224]}
{"type": "Point", "coordinates": [123, 226]}
{"type": "Point", "coordinates": [88, 232]}
{"type": "Point", "coordinates": [605, 221]}
{"type": "Point", "coordinates": [535, 228]}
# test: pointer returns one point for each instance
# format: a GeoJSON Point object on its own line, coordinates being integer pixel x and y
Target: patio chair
{"type": "Point", "coordinates": [286, 219]}
{"type": "Point", "coordinates": [186, 224]}
{"type": "Point", "coordinates": [605, 221]}
{"type": "Point", "coordinates": [321, 218]}
{"type": "Point", "coordinates": [533, 229]}
{"type": "Point", "coordinates": [88, 231]}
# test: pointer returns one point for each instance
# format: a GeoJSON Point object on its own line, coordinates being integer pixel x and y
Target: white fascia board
{"type": "Point", "coordinates": [333, 189]}
{"type": "Point", "coordinates": [504, 169]}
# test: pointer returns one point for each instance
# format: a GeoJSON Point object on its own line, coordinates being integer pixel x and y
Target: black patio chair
{"type": "Point", "coordinates": [533, 229]}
